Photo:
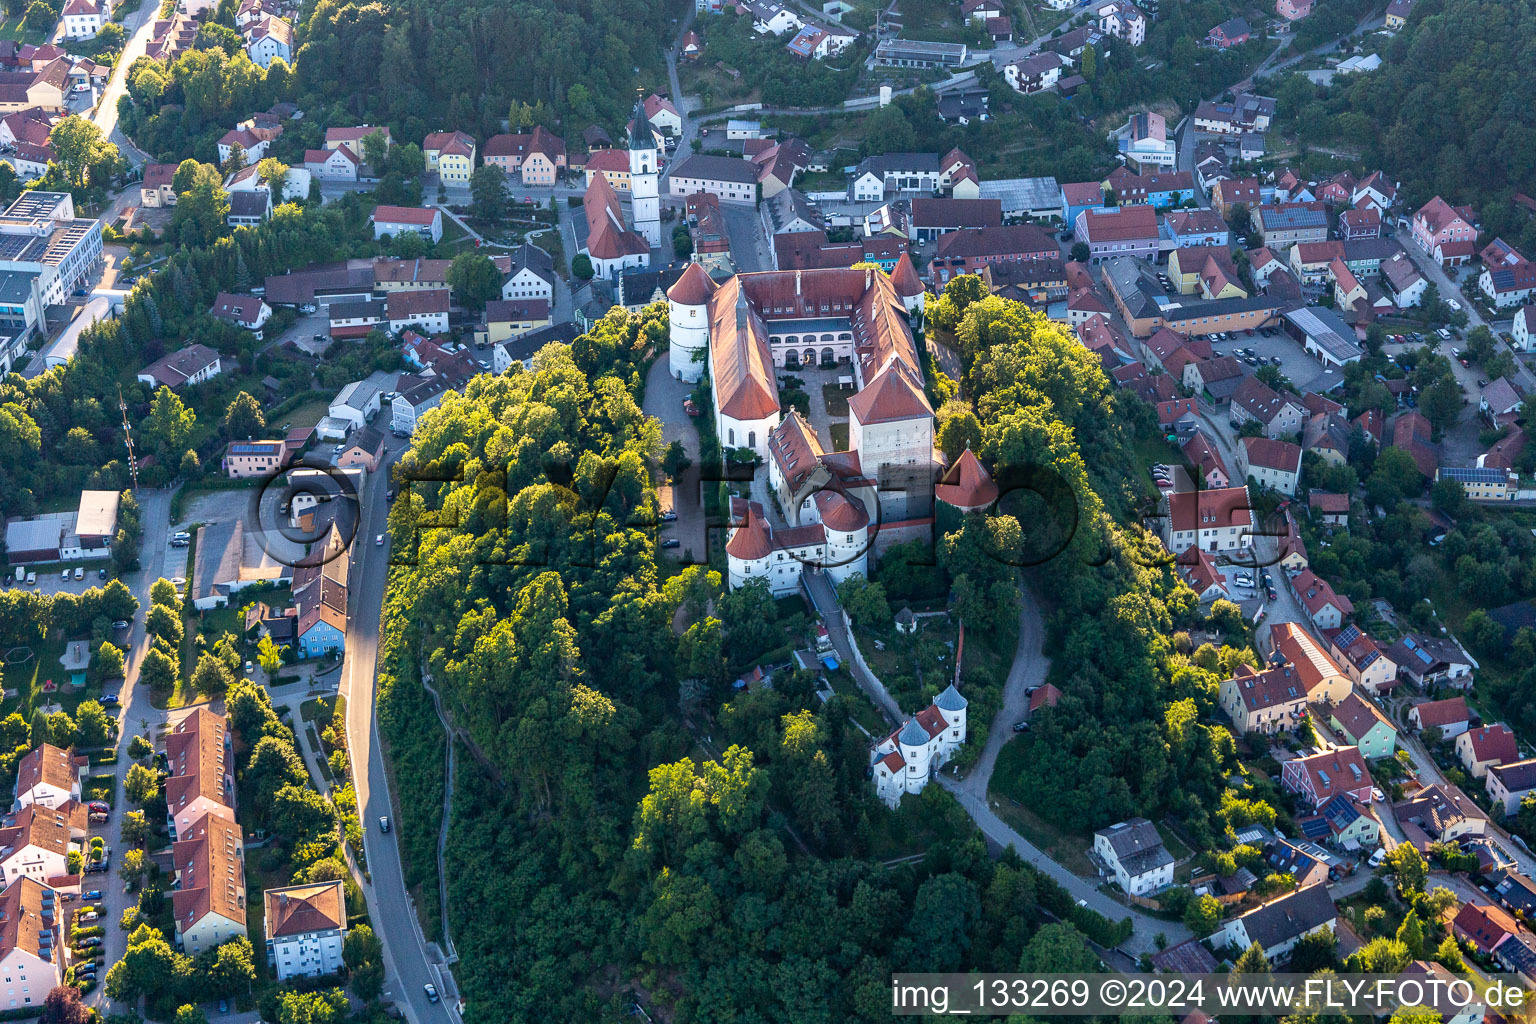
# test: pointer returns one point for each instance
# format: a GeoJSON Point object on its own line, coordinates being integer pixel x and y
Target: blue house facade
{"type": "Point", "coordinates": [320, 639]}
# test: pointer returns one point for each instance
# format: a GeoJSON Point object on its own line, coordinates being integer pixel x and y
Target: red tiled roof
{"type": "Point", "coordinates": [1440, 713]}
{"type": "Point", "coordinates": [692, 289]}
{"type": "Point", "coordinates": [422, 216]}
{"type": "Point", "coordinates": [1493, 743]}
{"type": "Point", "coordinates": [1271, 454]}
{"type": "Point", "coordinates": [967, 485]}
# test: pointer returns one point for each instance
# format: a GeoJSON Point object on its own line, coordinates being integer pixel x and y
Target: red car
{"type": "Point", "coordinates": [689, 407]}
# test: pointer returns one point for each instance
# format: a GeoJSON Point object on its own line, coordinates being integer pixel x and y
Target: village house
{"type": "Point", "coordinates": [305, 927]}
{"type": "Point", "coordinates": [47, 776]}
{"type": "Point", "coordinates": [1449, 716]}
{"type": "Point", "coordinates": [1320, 777]}
{"type": "Point", "coordinates": [1278, 414]}
{"type": "Point", "coordinates": [351, 138]}
{"type": "Point", "coordinates": [31, 942]}
{"type": "Point", "coordinates": [1278, 925]}
{"type": "Point", "coordinates": [155, 189]}
{"type": "Point", "coordinates": [530, 274]}
{"type": "Point", "coordinates": [972, 250]}
{"type": "Point", "coordinates": [1326, 608]}
{"type": "Point", "coordinates": [1232, 32]}
{"type": "Point", "coordinates": [1402, 281]}
{"type": "Point", "coordinates": [1439, 813]}
{"type": "Point", "coordinates": [245, 311]}
{"type": "Point", "coordinates": [1509, 784]}
{"type": "Point", "coordinates": [1123, 20]}
{"type": "Point", "coordinates": [1270, 463]}
{"type": "Point", "coordinates": [1133, 855]}
{"type": "Point", "coordinates": [1282, 225]}
{"type": "Point", "coordinates": [1119, 231]}
{"type": "Point", "coordinates": [451, 155]}
{"type": "Point", "coordinates": [1214, 520]}
{"type": "Point", "coordinates": [1509, 280]}
{"type": "Point", "coordinates": [244, 459]}
{"type": "Point", "coordinates": [365, 451]}
{"type": "Point", "coordinates": [208, 903]}
{"type": "Point", "coordinates": [727, 178]}
{"type": "Point", "coordinates": [1360, 723]}
{"type": "Point", "coordinates": [35, 842]}
{"type": "Point", "coordinates": [338, 164]}
{"type": "Point", "coordinates": [537, 158]}
{"type": "Point", "coordinates": [176, 370]}
{"type": "Point", "coordinates": [1145, 142]}
{"type": "Point", "coordinates": [269, 39]}
{"type": "Point", "coordinates": [201, 764]}
{"type": "Point", "coordinates": [1231, 193]}
{"type": "Point", "coordinates": [1480, 749]}
{"type": "Point", "coordinates": [1367, 664]}
{"type": "Point", "coordinates": [1197, 228]}
{"type": "Point", "coordinates": [1447, 233]}
{"type": "Point", "coordinates": [392, 221]}
{"type": "Point", "coordinates": [1428, 660]}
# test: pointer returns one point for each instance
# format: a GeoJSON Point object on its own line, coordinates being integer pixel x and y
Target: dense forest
{"type": "Point", "coordinates": [633, 827]}
{"type": "Point", "coordinates": [426, 65]}
{"type": "Point", "coordinates": [1447, 113]}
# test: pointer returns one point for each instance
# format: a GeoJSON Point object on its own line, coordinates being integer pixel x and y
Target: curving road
{"type": "Point", "coordinates": [139, 25]}
{"type": "Point", "coordinates": [1029, 670]}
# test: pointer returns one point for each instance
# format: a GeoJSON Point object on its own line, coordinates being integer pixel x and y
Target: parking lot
{"type": "Point", "coordinates": [51, 581]}
{"type": "Point", "coordinates": [1298, 367]}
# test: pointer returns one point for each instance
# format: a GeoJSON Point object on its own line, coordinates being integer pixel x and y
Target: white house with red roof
{"type": "Point", "coordinates": [352, 136]}
{"type": "Point", "coordinates": [1446, 232]}
{"type": "Point", "coordinates": [663, 115]}
{"type": "Point", "coordinates": [84, 18]}
{"type": "Point", "coordinates": [1450, 716]}
{"type": "Point", "coordinates": [247, 311]}
{"type": "Point", "coordinates": [903, 761]}
{"type": "Point", "coordinates": [397, 220]}
{"type": "Point", "coordinates": [1218, 520]}
{"type": "Point", "coordinates": [155, 190]}
{"type": "Point", "coordinates": [339, 164]}
{"type": "Point", "coordinates": [1524, 329]}
{"type": "Point", "coordinates": [1270, 463]}
{"type": "Point", "coordinates": [1326, 608]}
{"type": "Point", "coordinates": [1325, 775]}
{"type": "Point", "coordinates": [269, 39]}
{"type": "Point", "coordinates": [48, 776]}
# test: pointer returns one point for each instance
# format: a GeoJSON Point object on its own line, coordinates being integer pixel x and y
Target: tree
{"type": "Point", "coordinates": [1203, 915]}
{"type": "Point", "coordinates": [86, 158]}
{"type": "Point", "coordinates": [63, 1005]}
{"type": "Point", "coordinates": [211, 676]}
{"type": "Point", "coordinates": [1441, 402]}
{"type": "Point", "coordinates": [165, 625]}
{"type": "Point", "coordinates": [581, 267]}
{"type": "Point", "coordinates": [230, 966]}
{"type": "Point", "coordinates": [1448, 955]}
{"type": "Point", "coordinates": [159, 670]}
{"type": "Point", "coordinates": [139, 748]}
{"type": "Point", "coordinates": [363, 954]}
{"type": "Point", "coordinates": [1058, 948]}
{"type": "Point", "coordinates": [865, 601]}
{"type": "Point", "coordinates": [243, 418]}
{"type": "Point", "coordinates": [134, 866]}
{"type": "Point", "coordinates": [92, 724]}
{"type": "Point", "coordinates": [325, 1007]}
{"type": "Point", "coordinates": [201, 203]}
{"type": "Point", "coordinates": [1315, 951]}
{"type": "Point", "coordinates": [108, 662]}
{"type": "Point", "coordinates": [269, 655]}
{"type": "Point", "coordinates": [163, 592]}
{"type": "Point", "coordinates": [488, 194]}
{"type": "Point", "coordinates": [1081, 252]}
{"type": "Point", "coordinates": [169, 426]}
{"type": "Point", "coordinates": [1411, 935]}
{"type": "Point", "coordinates": [118, 602]}
{"type": "Point", "coordinates": [190, 1014]}
{"type": "Point", "coordinates": [474, 278]}
{"type": "Point", "coordinates": [274, 763]}
{"type": "Point", "coordinates": [1252, 964]}
{"type": "Point", "coordinates": [1407, 864]}
{"type": "Point", "coordinates": [1448, 497]}
{"type": "Point", "coordinates": [275, 173]}
{"type": "Point", "coordinates": [682, 242]}
{"type": "Point", "coordinates": [135, 827]}
{"type": "Point", "coordinates": [141, 785]}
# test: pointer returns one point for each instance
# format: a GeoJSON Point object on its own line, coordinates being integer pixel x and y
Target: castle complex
{"type": "Point", "coordinates": [753, 325]}
{"type": "Point", "coordinates": [903, 761]}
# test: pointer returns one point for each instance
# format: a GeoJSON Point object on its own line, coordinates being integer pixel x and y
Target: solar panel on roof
{"type": "Point", "coordinates": [1314, 828]}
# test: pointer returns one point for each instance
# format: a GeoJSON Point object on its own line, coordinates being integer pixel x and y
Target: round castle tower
{"type": "Point", "coordinates": [688, 313]}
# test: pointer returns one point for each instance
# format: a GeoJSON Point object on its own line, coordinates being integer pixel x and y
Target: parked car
{"type": "Point", "coordinates": [110, 700]}
{"type": "Point", "coordinates": [671, 542]}
{"type": "Point", "coordinates": [97, 805]}
{"type": "Point", "coordinates": [89, 915]}
{"type": "Point", "coordinates": [64, 575]}
{"type": "Point", "coordinates": [120, 624]}
{"type": "Point", "coordinates": [94, 894]}
{"type": "Point", "coordinates": [1020, 726]}
{"type": "Point", "coordinates": [31, 579]}
{"type": "Point", "coordinates": [431, 991]}
{"type": "Point", "coordinates": [668, 516]}
{"type": "Point", "coordinates": [101, 574]}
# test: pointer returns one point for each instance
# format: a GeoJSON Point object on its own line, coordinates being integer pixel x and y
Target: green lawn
{"type": "Point", "coordinates": [835, 399]}
{"type": "Point", "coordinates": [320, 709]}
{"type": "Point", "coordinates": [306, 415]}
{"type": "Point", "coordinates": [839, 433]}
{"type": "Point", "coordinates": [1066, 848]}
{"type": "Point", "coordinates": [10, 28]}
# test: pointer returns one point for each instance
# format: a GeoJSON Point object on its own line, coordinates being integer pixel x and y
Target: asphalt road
{"type": "Point", "coordinates": [136, 717]}
{"type": "Point", "coordinates": [139, 25]}
{"type": "Point", "coordinates": [394, 920]}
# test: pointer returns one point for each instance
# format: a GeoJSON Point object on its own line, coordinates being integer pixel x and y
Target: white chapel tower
{"type": "Point", "coordinates": [644, 177]}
